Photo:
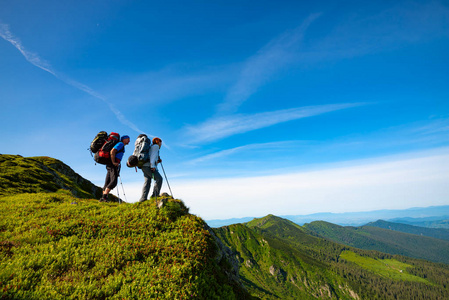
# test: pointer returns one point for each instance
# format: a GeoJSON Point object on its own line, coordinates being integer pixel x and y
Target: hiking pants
{"type": "Point", "coordinates": [111, 177]}
{"type": "Point", "coordinates": [148, 174]}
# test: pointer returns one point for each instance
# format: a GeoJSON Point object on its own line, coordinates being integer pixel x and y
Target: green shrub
{"type": "Point", "coordinates": [55, 246]}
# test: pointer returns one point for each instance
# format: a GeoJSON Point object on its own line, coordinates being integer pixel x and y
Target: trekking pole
{"type": "Point", "coordinates": [118, 194]}
{"type": "Point", "coordinates": [167, 180]}
{"type": "Point", "coordinates": [124, 195]}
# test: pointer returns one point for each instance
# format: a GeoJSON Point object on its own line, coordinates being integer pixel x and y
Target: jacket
{"type": "Point", "coordinates": [154, 156]}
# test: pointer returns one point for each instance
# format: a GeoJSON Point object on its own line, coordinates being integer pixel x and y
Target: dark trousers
{"type": "Point", "coordinates": [111, 177]}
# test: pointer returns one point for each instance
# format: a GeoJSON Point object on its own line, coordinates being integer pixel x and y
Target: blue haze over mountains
{"type": "Point", "coordinates": [432, 216]}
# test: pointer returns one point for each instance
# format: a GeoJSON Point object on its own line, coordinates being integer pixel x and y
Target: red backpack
{"type": "Point", "coordinates": [103, 156]}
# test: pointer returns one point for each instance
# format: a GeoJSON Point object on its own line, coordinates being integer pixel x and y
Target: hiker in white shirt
{"type": "Point", "coordinates": [149, 170]}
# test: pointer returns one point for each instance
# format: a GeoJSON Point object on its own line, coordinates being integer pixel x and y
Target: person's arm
{"type": "Point", "coordinates": [154, 155]}
{"type": "Point", "coordinates": [113, 159]}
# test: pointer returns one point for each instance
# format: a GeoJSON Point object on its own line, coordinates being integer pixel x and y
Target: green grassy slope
{"type": "Point", "coordinates": [384, 240]}
{"type": "Point", "coordinates": [389, 268]}
{"type": "Point", "coordinates": [54, 245]}
{"type": "Point", "coordinates": [41, 174]}
{"type": "Point", "coordinates": [281, 260]}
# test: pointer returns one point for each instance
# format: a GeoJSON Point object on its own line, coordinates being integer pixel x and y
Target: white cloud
{"type": "Point", "coordinates": [221, 127]}
{"type": "Point", "coordinates": [228, 152]}
{"type": "Point", "coordinates": [387, 183]}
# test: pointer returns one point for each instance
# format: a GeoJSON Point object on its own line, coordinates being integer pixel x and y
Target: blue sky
{"type": "Point", "coordinates": [282, 107]}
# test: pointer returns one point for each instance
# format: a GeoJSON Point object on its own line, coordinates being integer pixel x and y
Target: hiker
{"type": "Point", "coordinates": [149, 170]}
{"type": "Point", "coordinates": [113, 167]}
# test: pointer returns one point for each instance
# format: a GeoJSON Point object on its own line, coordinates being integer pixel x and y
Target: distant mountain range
{"type": "Point", "coordinates": [433, 216]}
{"type": "Point", "coordinates": [431, 222]}
{"type": "Point", "coordinates": [438, 233]}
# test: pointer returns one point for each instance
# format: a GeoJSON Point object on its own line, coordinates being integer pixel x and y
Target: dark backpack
{"type": "Point", "coordinates": [141, 152]}
{"type": "Point", "coordinates": [103, 156]}
{"type": "Point", "coordinates": [132, 162]}
{"type": "Point", "coordinates": [98, 141]}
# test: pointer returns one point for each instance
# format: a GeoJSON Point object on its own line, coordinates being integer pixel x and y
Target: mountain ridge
{"type": "Point", "coordinates": [438, 233]}
{"type": "Point", "coordinates": [438, 214]}
{"type": "Point", "coordinates": [59, 243]}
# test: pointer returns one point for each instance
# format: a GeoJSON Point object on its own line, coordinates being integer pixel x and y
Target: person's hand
{"type": "Point", "coordinates": [153, 169]}
{"type": "Point", "coordinates": [159, 160]}
{"type": "Point", "coordinates": [116, 164]}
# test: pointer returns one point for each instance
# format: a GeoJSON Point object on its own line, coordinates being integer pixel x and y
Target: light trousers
{"type": "Point", "coordinates": [148, 175]}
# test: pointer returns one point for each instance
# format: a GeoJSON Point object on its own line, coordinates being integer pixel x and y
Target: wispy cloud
{"type": "Point", "coordinates": [261, 67]}
{"type": "Point", "coordinates": [221, 127]}
{"type": "Point", "coordinates": [174, 82]}
{"type": "Point", "coordinates": [228, 152]}
{"type": "Point", "coordinates": [31, 57]}
{"type": "Point", "coordinates": [291, 154]}
{"type": "Point", "coordinates": [354, 36]}
{"type": "Point", "coordinates": [434, 127]}
{"type": "Point", "coordinates": [34, 59]}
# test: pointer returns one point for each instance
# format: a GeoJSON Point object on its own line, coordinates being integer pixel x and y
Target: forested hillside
{"type": "Point", "coordinates": [281, 260]}
{"type": "Point", "coordinates": [384, 240]}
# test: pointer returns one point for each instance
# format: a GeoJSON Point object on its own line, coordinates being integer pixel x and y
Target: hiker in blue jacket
{"type": "Point", "coordinates": [113, 168]}
{"type": "Point", "coordinates": [149, 170]}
